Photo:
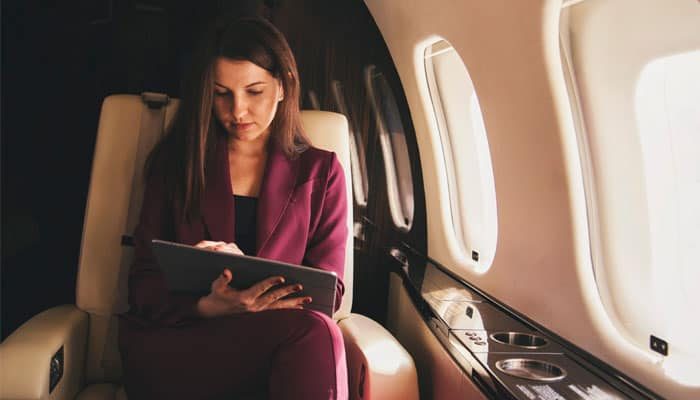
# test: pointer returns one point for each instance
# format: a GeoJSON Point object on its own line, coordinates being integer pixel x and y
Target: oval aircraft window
{"type": "Point", "coordinates": [392, 139]}
{"type": "Point", "coordinates": [357, 150]}
{"type": "Point", "coordinates": [465, 152]}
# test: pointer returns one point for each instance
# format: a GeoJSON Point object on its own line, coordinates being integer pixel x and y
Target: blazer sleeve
{"type": "Point", "coordinates": [327, 243]}
{"type": "Point", "coordinates": [149, 299]}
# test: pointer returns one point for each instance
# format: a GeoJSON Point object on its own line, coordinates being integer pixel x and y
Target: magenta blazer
{"type": "Point", "coordinates": [302, 211]}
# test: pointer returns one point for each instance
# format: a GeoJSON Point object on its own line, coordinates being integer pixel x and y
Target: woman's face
{"type": "Point", "coordinates": [245, 98]}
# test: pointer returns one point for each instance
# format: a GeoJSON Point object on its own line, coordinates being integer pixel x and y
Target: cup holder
{"type": "Point", "coordinates": [518, 339]}
{"type": "Point", "coordinates": [535, 370]}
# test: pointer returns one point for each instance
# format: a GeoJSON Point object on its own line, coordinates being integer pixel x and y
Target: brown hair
{"type": "Point", "coordinates": [181, 159]}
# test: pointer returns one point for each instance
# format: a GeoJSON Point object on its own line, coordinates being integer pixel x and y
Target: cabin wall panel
{"type": "Point", "coordinates": [439, 375]}
{"type": "Point", "coordinates": [542, 266]}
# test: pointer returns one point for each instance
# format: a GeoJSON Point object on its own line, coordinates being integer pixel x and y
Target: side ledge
{"type": "Point", "coordinates": [378, 366]}
{"type": "Point", "coordinates": [25, 356]}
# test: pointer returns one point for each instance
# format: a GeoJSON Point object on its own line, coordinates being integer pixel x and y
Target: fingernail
{"type": "Point", "coordinates": [280, 280]}
{"type": "Point", "coordinates": [298, 287]}
{"type": "Point", "coordinates": [307, 300]}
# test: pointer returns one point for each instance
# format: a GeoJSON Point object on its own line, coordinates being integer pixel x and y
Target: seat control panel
{"type": "Point", "coordinates": [56, 369]}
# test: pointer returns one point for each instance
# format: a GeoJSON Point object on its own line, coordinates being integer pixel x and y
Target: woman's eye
{"type": "Point", "coordinates": [220, 93]}
{"type": "Point", "coordinates": [255, 92]}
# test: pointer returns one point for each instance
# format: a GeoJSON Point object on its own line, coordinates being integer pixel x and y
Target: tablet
{"type": "Point", "coordinates": [192, 270]}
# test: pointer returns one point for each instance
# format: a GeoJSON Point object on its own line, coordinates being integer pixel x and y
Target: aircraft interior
{"type": "Point", "coordinates": [522, 180]}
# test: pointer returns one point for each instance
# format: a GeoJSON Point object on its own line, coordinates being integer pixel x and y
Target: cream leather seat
{"type": "Point", "coordinates": [85, 335]}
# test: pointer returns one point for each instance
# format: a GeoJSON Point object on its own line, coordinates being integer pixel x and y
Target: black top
{"type": "Point", "coordinates": [246, 223]}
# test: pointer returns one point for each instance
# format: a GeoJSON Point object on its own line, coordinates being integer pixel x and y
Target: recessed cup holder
{"type": "Point", "coordinates": [519, 339]}
{"type": "Point", "coordinates": [534, 370]}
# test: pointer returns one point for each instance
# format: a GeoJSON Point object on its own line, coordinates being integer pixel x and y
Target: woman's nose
{"type": "Point", "coordinates": [239, 108]}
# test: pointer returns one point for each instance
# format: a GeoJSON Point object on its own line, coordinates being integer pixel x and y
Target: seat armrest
{"type": "Point", "coordinates": [25, 355]}
{"type": "Point", "coordinates": [378, 365]}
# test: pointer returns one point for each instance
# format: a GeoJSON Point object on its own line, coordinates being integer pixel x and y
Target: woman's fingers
{"type": "Point", "coordinates": [208, 244]}
{"type": "Point", "coordinates": [219, 246]}
{"type": "Point", "coordinates": [278, 294]}
{"type": "Point", "coordinates": [227, 275]}
{"type": "Point", "coordinates": [263, 295]}
{"type": "Point", "coordinates": [296, 302]}
{"type": "Point", "coordinates": [263, 286]}
{"type": "Point", "coordinates": [228, 248]}
{"type": "Point", "coordinates": [222, 281]}
{"type": "Point", "coordinates": [236, 249]}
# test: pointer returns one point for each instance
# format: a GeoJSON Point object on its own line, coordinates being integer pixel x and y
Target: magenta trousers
{"type": "Point", "coordinates": [275, 354]}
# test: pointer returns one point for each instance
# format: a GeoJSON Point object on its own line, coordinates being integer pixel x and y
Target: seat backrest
{"type": "Point", "coordinates": [129, 127]}
{"type": "Point", "coordinates": [329, 131]}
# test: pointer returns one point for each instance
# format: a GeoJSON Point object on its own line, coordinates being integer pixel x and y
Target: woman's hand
{"type": "Point", "coordinates": [225, 300]}
{"type": "Point", "coordinates": [219, 246]}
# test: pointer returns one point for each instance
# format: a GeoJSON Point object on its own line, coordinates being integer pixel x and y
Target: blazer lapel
{"type": "Point", "coordinates": [217, 203]}
{"type": "Point", "coordinates": [276, 192]}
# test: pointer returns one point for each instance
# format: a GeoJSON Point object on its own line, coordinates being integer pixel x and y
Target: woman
{"type": "Point", "coordinates": [236, 173]}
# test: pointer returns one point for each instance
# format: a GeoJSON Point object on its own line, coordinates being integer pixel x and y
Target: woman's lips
{"type": "Point", "coordinates": [240, 127]}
